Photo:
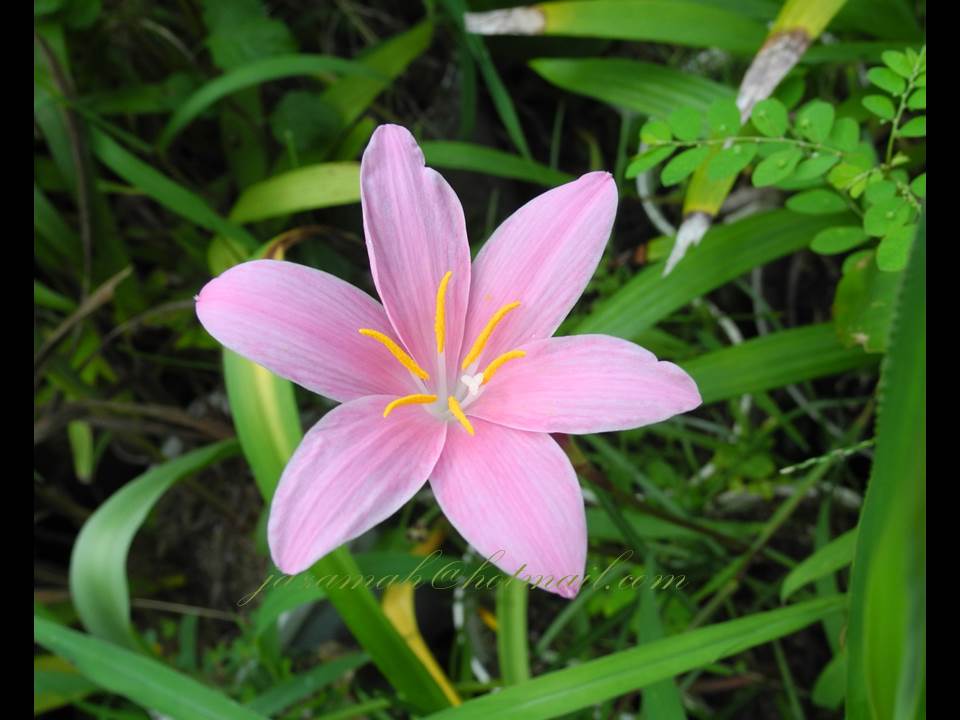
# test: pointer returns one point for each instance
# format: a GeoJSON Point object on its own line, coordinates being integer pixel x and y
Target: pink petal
{"type": "Point", "coordinates": [585, 384]}
{"type": "Point", "coordinates": [543, 255]}
{"type": "Point", "coordinates": [415, 233]}
{"type": "Point", "coordinates": [514, 496]}
{"type": "Point", "coordinates": [354, 469]}
{"type": "Point", "coordinates": [302, 324]}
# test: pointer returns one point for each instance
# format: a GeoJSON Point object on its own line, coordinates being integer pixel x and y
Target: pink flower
{"type": "Point", "coordinates": [455, 378]}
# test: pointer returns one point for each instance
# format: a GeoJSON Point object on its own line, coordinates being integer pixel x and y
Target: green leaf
{"type": "Point", "coordinates": [499, 93]}
{"type": "Point", "coordinates": [845, 134]}
{"type": "Point", "coordinates": [564, 691]}
{"type": "Point", "coordinates": [265, 416]}
{"type": "Point", "coordinates": [897, 61]}
{"type": "Point", "coordinates": [682, 165]}
{"type": "Point", "coordinates": [285, 694]}
{"type": "Point", "coordinates": [831, 686]}
{"type": "Point", "coordinates": [306, 188]}
{"type": "Point", "coordinates": [885, 216]}
{"type": "Point", "coordinates": [814, 166]}
{"type": "Point", "coordinates": [250, 75]}
{"type": "Point", "coordinates": [685, 123]}
{"type": "Point", "coordinates": [815, 120]}
{"type": "Point", "coordinates": [731, 161]}
{"type": "Point", "coordinates": [80, 435]}
{"type": "Point", "coordinates": [887, 80]}
{"type": "Point", "coordinates": [726, 252]}
{"type": "Point", "coordinates": [880, 105]}
{"type": "Point", "coordinates": [351, 96]}
{"type": "Point", "coordinates": [849, 177]}
{"type": "Point", "coordinates": [489, 161]}
{"type": "Point", "coordinates": [917, 127]}
{"type": "Point", "coordinates": [863, 306]}
{"type": "Point", "coordinates": [655, 132]}
{"type": "Point", "coordinates": [777, 167]}
{"type": "Point", "coordinates": [98, 564]}
{"type": "Point", "coordinates": [282, 595]}
{"type": "Point", "coordinates": [879, 191]}
{"type": "Point", "coordinates": [140, 679]}
{"type": "Point", "coordinates": [918, 100]}
{"type": "Point", "coordinates": [645, 88]}
{"type": "Point", "coordinates": [886, 639]}
{"type": "Point", "coordinates": [647, 160]}
{"type": "Point", "coordinates": [894, 248]}
{"type": "Point", "coordinates": [836, 240]}
{"type": "Point", "coordinates": [919, 185]}
{"type": "Point", "coordinates": [677, 22]}
{"type": "Point", "coordinates": [46, 298]}
{"type": "Point", "coordinates": [772, 361]}
{"type": "Point", "coordinates": [921, 80]}
{"type": "Point", "coordinates": [303, 118]}
{"type": "Point", "coordinates": [57, 683]}
{"type": "Point", "coordinates": [723, 118]}
{"type": "Point", "coordinates": [833, 556]}
{"type": "Point", "coordinates": [513, 653]}
{"type": "Point", "coordinates": [242, 32]}
{"type": "Point", "coordinates": [816, 202]}
{"type": "Point", "coordinates": [165, 191]}
{"type": "Point", "coordinates": [770, 117]}
{"type": "Point", "coordinates": [660, 700]}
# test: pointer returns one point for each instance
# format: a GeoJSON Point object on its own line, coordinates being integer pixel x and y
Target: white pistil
{"type": "Point", "coordinates": [473, 384]}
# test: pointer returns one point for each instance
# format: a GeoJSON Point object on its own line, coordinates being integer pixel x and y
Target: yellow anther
{"type": "Point", "coordinates": [439, 326]}
{"type": "Point", "coordinates": [409, 400]}
{"type": "Point", "coordinates": [484, 335]}
{"type": "Point", "coordinates": [458, 414]}
{"type": "Point", "coordinates": [408, 362]}
{"type": "Point", "coordinates": [495, 365]}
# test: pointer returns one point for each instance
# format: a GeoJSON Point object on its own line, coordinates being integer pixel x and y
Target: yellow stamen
{"type": "Point", "coordinates": [408, 362]}
{"type": "Point", "coordinates": [439, 327]}
{"type": "Point", "coordinates": [495, 365]}
{"type": "Point", "coordinates": [458, 414]}
{"type": "Point", "coordinates": [484, 335]}
{"type": "Point", "coordinates": [409, 400]}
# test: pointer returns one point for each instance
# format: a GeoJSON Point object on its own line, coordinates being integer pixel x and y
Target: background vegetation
{"type": "Point", "coordinates": [172, 140]}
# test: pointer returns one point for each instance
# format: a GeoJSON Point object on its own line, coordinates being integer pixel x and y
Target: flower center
{"type": "Point", "coordinates": [470, 385]}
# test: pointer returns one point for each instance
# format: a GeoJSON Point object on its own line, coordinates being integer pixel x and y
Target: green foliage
{"type": "Point", "coordinates": [863, 307]}
{"type": "Point", "coordinates": [205, 134]}
{"type": "Point", "coordinates": [887, 635]}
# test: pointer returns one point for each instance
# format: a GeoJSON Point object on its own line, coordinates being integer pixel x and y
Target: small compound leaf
{"type": "Point", "coordinates": [817, 202]}
{"type": "Point", "coordinates": [845, 134]}
{"type": "Point", "coordinates": [880, 105]}
{"type": "Point", "coordinates": [814, 120]}
{"type": "Point", "coordinates": [919, 185]}
{"type": "Point", "coordinates": [682, 165]}
{"type": "Point", "coordinates": [655, 132]}
{"type": "Point", "coordinates": [879, 191]}
{"type": "Point", "coordinates": [835, 240]}
{"type": "Point", "coordinates": [647, 160]}
{"type": "Point", "coordinates": [723, 118]}
{"type": "Point", "coordinates": [777, 167]}
{"type": "Point", "coordinates": [887, 80]}
{"type": "Point", "coordinates": [885, 216]}
{"type": "Point", "coordinates": [731, 161]}
{"type": "Point", "coordinates": [770, 117]}
{"type": "Point", "coordinates": [894, 249]}
{"type": "Point", "coordinates": [915, 128]}
{"type": "Point", "coordinates": [898, 62]}
{"type": "Point", "coordinates": [686, 123]}
{"type": "Point", "coordinates": [815, 166]}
